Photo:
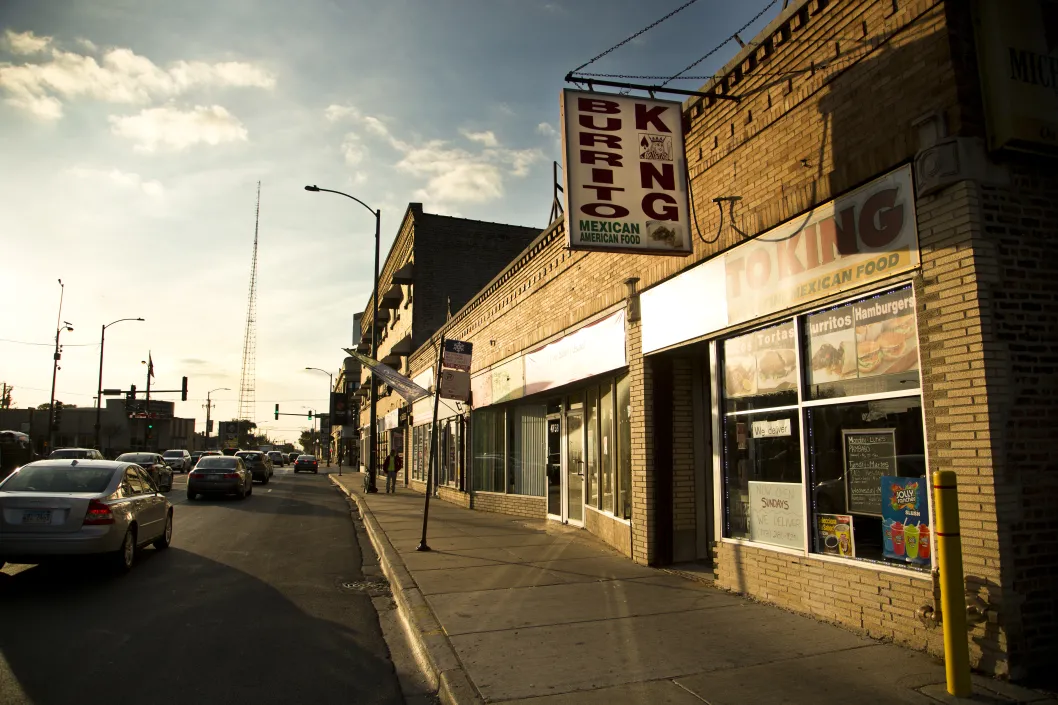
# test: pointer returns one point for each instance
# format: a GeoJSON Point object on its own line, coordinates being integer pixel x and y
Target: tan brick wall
{"type": "Point", "coordinates": [614, 532]}
{"type": "Point", "coordinates": [444, 493]}
{"type": "Point", "coordinates": [515, 504]}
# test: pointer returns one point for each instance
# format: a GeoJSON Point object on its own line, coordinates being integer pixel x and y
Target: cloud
{"type": "Point", "coordinates": [120, 178]}
{"type": "Point", "coordinates": [25, 42]}
{"type": "Point", "coordinates": [121, 76]}
{"type": "Point", "coordinates": [170, 128]}
{"type": "Point", "coordinates": [352, 149]}
{"type": "Point", "coordinates": [546, 130]}
{"type": "Point", "coordinates": [334, 113]}
{"type": "Point", "coordinates": [486, 138]}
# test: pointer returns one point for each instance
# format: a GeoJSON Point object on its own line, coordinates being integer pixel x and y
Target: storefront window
{"type": "Point", "coordinates": [489, 450]}
{"type": "Point", "coordinates": [592, 448]}
{"type": "Point", "coordinates": [864, 445]}
{"type": "Point", "coordinates": [868, 476]}
{"type": "Point", "coordinates": [606, 444]}
{"type": "Point", "coordinates": [624, 448]}
{"type": "Point", "coordinates": [866, 347]}
{"type": "Point", "coordinates": [762, 454]}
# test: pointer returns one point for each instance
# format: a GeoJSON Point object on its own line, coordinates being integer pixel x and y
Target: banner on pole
{"type": "Point", "coordinates": [401, 384]}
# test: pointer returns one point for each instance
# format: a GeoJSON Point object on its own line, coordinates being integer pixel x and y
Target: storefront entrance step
{"type": "Point", "coordinates": [570, 603]}
{"type": "Point", "coordinates": [531, 661]}
{"type": "Point", "coordinates": [494, 577]}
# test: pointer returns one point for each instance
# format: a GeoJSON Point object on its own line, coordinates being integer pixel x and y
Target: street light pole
{"type": "Point", "coordinates": [99, 397]}
{"type": "Point", "coordinates": [59, 325]}
{"type": "Point", "coordinates": [372, 468]}
{"type": "Point", "coordinates": [329, 390]}
{"type": "Point", "coordinates": [208, 406]}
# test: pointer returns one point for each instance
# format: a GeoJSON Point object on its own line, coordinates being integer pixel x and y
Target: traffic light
{"type": "Point", "coordinates": [183, 390]}
{"type": "Point", "coordinates": [150, 428]}
{"type": "Point", "coordinates": [277, 412]}
{"type": "Point", "coordinates": [132, 392]}
{"type": "Point", "coordinates": [310, 414]}
{"type": "Point", "coordinates": [58, 413]}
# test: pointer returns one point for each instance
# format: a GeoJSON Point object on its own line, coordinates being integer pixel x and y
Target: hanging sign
{"type": "Point", "coordinates": [625, 174]}
{"type": "Point", "coordinates": [457, 355]}
{"type": "Point", "coordinates": [455, 384]}
{"type": "Point", "coordinates": [401, 384]}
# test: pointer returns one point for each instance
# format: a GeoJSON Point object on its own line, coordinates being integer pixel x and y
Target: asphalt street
{"type": "Point", "coordinates": [257, 601]}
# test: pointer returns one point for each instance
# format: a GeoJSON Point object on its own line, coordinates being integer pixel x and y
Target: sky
{"type": "Point", "coordinates": [133, 134]}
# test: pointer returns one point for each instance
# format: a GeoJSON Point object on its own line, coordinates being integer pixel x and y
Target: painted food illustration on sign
{"type": "Point", "coordinates": [741, 375]}
{"type": "Point", "coordinates": [864, 339]}
{"type": "Point", "coordinates": [776, 370]}
{"type": "Point", "coordinates": [665, 232]}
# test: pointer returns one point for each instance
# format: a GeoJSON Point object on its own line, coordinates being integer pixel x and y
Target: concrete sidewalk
{"type": "Point", "coordinates": [507, 609]}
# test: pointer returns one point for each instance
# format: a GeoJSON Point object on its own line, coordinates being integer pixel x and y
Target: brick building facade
{"type": "Point", "coordinates": [844, 108]}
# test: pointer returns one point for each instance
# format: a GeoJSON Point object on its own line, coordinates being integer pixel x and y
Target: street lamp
{"type": "Point", "coordinates": [329, 390]}
{"type": "Point", "coordinates": [208, 406]}
{"type": "Point", "coordinates": [60, 325]}
{"type": "Point", "coordinates": [372, 468]}
{"type": "Point", "coordinates": [99, 397]}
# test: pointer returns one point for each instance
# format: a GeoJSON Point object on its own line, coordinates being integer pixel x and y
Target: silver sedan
{"type": "Point", "coordinates": [57, 508]}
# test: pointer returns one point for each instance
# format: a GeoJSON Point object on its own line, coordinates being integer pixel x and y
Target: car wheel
{"type": "Point", "coordinates": [316, 472]}
{"type": "Point", "coordinates": [265, 480]}
{"type": "Point", "coordinates": [191, 496]}
{"type": "Point", "coordinates": [125, 556]}
{"type": "Point", "coordinates": [162, 542]}
{"type": "Point", "coordinates": [249, 490]}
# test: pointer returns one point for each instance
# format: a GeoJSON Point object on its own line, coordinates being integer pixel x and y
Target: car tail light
{"type": "Point", "coordinates": [231, 476]}
{"type": "Point", "coordinates": [195, 474]}
{"type": "Point", "coordinates": [98, 513]}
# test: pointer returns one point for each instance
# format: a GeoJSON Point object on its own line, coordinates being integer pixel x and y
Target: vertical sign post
{"type": "Point", "coordinates": [433, 449]}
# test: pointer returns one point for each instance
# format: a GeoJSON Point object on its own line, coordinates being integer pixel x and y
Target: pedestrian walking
{"type": "Point", "coordinates": [393, 464]}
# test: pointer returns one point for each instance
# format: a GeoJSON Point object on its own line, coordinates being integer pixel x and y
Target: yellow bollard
{"type": "Point", "coordinates": [952, 590]}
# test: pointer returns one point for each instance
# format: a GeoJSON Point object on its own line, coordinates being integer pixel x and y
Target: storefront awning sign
{"type": "Point", "coordinates": [864, 236]}
{"type": "Point", "coordinates": [625, 176]}
{"type": "Point", "coordinates": [592, 350]}
{"type": "Point", "coordinates": [400, 384]}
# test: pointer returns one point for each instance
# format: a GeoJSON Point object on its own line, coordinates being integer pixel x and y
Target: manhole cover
{"type": "Point", "coordinates": [374, 588]}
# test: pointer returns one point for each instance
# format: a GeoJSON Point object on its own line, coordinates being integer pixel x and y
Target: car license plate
{"type": "Point", "coordinates": [38, 517]}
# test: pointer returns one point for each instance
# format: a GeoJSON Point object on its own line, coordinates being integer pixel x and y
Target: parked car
{"type": "Point", "coordinates": [75, 454]}
{"type": "Point", "coordinates": [155, 466]}
{"type": "Point", "coordinates": [308, 463]}
{"type": "Point", "coordinates": [178, 460]}
{"type": "Point", "coordinates": [277, 458]}
{"type": "Point", "coordinates": [258, 463]}
{"type": "Point", "coordinates": [220, 474]}
{"type": "Point", "coordinates": [56, 508]}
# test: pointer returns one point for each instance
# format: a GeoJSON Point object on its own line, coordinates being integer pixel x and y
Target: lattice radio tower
{"type": "Point", "coordinates": [249, 340]}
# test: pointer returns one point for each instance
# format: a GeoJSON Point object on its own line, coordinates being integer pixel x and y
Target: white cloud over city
{"type": "Point", "coordinates": [170, 128]}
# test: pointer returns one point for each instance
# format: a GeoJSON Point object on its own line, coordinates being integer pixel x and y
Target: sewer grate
{"type": "Point", "coordinates": [374, 588]}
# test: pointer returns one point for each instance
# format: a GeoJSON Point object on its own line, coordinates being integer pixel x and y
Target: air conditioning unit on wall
{"type": "Point", "coordinates": [948, 161]}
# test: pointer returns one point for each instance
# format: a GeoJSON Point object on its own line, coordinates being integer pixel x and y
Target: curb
{"type": "Point", "coordinates": [433, 650]}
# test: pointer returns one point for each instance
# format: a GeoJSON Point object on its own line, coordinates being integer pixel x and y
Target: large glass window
{"type": "Point", "coordinates": [624, 448]}
{"type": "Point", "coordinates": [762, 450]}
{"type": "Point", "coordinates": [591, 476]}
{"type": "Point", "coordinates": [607, 447]}
{"type": "Point", "coordinates": [489, 449]}
{"type": "Point", "coordinates": [850, 387]}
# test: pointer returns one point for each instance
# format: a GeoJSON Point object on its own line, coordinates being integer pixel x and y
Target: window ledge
{"type": "Point", "coordinates": [608, 515]}
{"type": "Point", "coordinates": [848, 562]}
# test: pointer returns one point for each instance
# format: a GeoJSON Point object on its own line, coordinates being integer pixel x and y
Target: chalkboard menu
{"type": "Point", "coordinates": [870, 454]}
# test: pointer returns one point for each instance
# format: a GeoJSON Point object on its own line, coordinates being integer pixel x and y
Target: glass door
{"type": "Point", "coordinates": [554, 465]}
{"type": "Point", "coordinates": [574, 494]}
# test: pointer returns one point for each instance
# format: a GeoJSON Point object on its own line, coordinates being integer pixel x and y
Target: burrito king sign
{"type": "Point", "coordinates": [625, 174]}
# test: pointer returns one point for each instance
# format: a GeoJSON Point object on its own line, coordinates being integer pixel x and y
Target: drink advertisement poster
{"type": "Point", "coordinates": [835, 535]}
{"type": "Point", "coordinates": [865, 339]}
{"type": "Point", "coordinates": [905, 519]}
{"type": "Point", "coordinates": [762, 362]}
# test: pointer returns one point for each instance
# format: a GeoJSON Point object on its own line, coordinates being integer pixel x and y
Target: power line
{"type": "Point", "coordinates": [651, 26]}
{"type": "Point", "coordinates": [718, 46]}
{"type": "Point", "coordinates": [49, 345]}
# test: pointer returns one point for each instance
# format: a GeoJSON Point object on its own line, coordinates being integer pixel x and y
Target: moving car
{"type": "Point", "coordinates": [155, 466]}
{"type": "Point", "coordinates": [75, 454]}
{"type": "Point", "coordinates": [277, 458]}
{"type": "Point", "coordinates": [58, 508]}
{"type": "Point", "coordinates": [220, 474]}
{"type": "Point", "coordinates": [308, 463]}
{"type": "Point", "coordinates": [229, 451]}
{"type": "Point", "coordinates": [258, 463]}
{"type": "Point", "coordinates": [178, 460]}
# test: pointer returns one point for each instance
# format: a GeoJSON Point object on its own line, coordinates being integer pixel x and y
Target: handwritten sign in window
{"type": "Point", "coordinates": [870, 454]}
{"type": "Point", "coordinates": [776, 513]}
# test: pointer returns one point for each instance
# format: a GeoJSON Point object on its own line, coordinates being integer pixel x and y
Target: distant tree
{"type": "Point", "coordinates": [308, 440]}
{"type": "Point", "coordinates": [47, 405]}
{"type": "Point", "coordinates": [6, 400]}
